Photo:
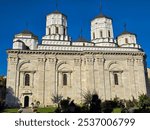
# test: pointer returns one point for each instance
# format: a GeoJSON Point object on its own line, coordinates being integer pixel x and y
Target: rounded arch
{"type": "Point", "coordinates": [59, 64]}
{"type": "Point", "coordinates": [114, 65]}
{"type": "Point", "coordinates": [65, 67]}
{"type": "Point", "coordinates": [22, 63]}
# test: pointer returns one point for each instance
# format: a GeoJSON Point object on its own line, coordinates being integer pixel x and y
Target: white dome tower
{"type": "Point", "coordinates": [25, 40]}
{"type": "Point", "coordinates": [102, 31]}
{"type": "Point", "coordinates": [56, 27]}
{"type": "Point", "coordinates": [127, 39]}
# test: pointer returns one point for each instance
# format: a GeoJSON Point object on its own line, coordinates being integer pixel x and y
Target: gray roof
{"type": "Point", "coordinates": [57, 12]}
{"type": "Point", "coordinates": [27, 32]}
{"type": "Point", "coordinates": [102, 16]}
{"type": "Point", "coordinates": [81, 39]}
{"type": "Point", "coordinates": [126, 32]}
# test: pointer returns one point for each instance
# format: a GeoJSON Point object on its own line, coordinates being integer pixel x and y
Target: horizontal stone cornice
{"type": "Point", "coordinates": [47, 52]}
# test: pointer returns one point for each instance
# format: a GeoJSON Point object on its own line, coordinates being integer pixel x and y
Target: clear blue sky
{"type": "Point", "coordinates": [14, 14]}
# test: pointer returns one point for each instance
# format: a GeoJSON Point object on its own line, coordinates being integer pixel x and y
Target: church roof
{"type": "Point", "coordinates": [27, 32]}
{"type": "Point", "coordinates": [102, 16]}
{"type": "Point", "coordinates": [81, 39]}
{"type": "Point", "coordinates": [57, 12]}
{"type": "Point", "coordinates": [126, 32]}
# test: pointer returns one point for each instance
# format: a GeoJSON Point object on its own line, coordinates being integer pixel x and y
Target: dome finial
{"type": "Point", "coordinates": [57, 5]}
{"type": "Point", "coordinates": [101, 12]}
{"type": "Point", "coordinates": [81, 33]}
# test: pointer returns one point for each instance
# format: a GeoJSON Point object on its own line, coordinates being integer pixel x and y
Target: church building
{"type": "Point", "coordinates": [59, 66]}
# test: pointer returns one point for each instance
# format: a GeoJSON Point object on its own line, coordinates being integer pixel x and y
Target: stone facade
{"type": "Point", "coordinates": [110, 67]}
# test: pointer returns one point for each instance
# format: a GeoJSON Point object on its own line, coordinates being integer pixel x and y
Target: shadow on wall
{"type": "Point", "coordinates": [148, 89]}
{"type": "Point", "coordinates": [11, 100]}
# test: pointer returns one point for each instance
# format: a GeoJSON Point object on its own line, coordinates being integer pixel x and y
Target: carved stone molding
{"type": "Point", "coordinates": [41, 60]}
{"type": "Point", "coordinates": [100, 61]}
{"type": "Point", "coordinates": [77, 62]}
{"type": "Point", "coordinates": [104, 51]}
{"type": "Point", "coordinates": [130, 62]}
{"type": "Point", "coordinates": [13, 60]}
{"type": "Point", "coordinates": [52, 60]}
{"type": "Point", "coordinates": [139, 62]}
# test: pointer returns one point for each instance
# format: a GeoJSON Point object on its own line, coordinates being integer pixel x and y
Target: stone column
{"type": "Point", "coordinates": [90, 73]}
{"type": "Point", "coordinates": [131, 79]}
{"type": "Point", "coordinates": [77, 90]}
{"type": "Point", "coordinates": [102, 93]}
{"type": "Point", "coordinates": [107, 84]}
{"type": "Point", "coordinates": [11, 97]}
{"type": "Point", "coordinates": [140, 77]}
{"type": "Point", "coordinates": [41, 81]}
{"type": "Point", "coordinates": [51, 79]}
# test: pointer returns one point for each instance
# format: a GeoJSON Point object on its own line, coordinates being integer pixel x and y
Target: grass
{"type": "Point", "coordinates": [46, 110]}
{"type": "Point", "coordinates": [117, 110]}
{"type": "Point", "coordinates": [10, 110]}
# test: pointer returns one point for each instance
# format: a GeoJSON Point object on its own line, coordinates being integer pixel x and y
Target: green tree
{"type": "Point", "coordinates": [2, 91]}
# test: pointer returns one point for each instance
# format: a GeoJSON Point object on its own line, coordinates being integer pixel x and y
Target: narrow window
{"type": "Point", "coordinates": [109, 34]}
{"type": "Point", "coordinates": [56, 30]}
{"type": "Point", "coordinates": [93, 35]}
{"type": "Point", "coordinates": [116, 79]}
{"type": "Point", "coordinates": [27, 80]}
{"type": "Point", "coordinates": [49, 31]}
{"type": "Point", "coordinates": [64, 79]}
{"type": "Point", "coordinates": [101, 34]}
{"type": "Point", "coordinates": [126, 40]}
{"type": "Point", "coordinates": [64, 31]}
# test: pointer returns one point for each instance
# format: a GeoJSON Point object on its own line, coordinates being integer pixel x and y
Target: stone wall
{"type": "Point", "coordinates": [92, 72]}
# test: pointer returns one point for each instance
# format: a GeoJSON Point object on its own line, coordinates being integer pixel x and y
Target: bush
{"type": "Point", "coordinates": [144, 102]}
{"type": "Point", "coordinates": [95, 105]}
{"type": "Point", "coordinates": [107, 106]}
{"type": "Point", "coordinates": [68, 106]}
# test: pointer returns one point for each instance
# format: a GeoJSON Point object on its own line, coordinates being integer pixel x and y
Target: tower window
{"type": "Point", "coordinates": [57, 30]}
{"type": "Point", "coordinates": [126, 40]}
{"type": "Point", "coordinates": [93, 35]}
{"type": "Point", "coordinates": [64, 79]}
{"type": "Point", "coordinates": [116, 79]}
{"type": "Point", "coordinates": [101, 34]}
{"type": "Point", "coordinates": [64, 31]}
{"type": "Point", "coordinates": [109, 35]}
{"type": "Point", "coordinates": [49, 31]}
{"type": "Point", "coordinates": [27, 80]}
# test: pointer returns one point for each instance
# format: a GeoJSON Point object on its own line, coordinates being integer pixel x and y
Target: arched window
{"type": "Point", "coordinates": [27, 80]}
{"type": "Point", "coordinates": [126, 40]}
{"type": "Point", "coordinates": [64, 79]}
{"type": "Point", "coordinates": [57, 30]}
{"type": "Point", "coordinates": [101, 34]}
{"type": "Point", "coordinates": [116, 79]}
{"type": "Point", "coordinates": [109, 35]}
{"type": "Point", "coordinates": [93, 35]}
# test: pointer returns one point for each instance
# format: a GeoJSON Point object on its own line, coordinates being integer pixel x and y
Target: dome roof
{"type": "Point", "coordinates": [81, 39]}
{"type": "Point", "coordinates": [102, 16]}
{"type": "Point", "coordinates": [27, 32]}
{"type": "Point", "coordinates": [127, 33]}
{"type": "Point", "coordinates": [57, 12]}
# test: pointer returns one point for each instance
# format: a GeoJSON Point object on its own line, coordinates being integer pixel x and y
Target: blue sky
{"type": "Point", "coordinates": [14, 14]}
